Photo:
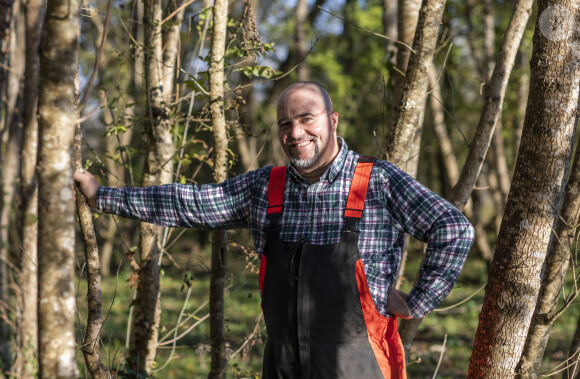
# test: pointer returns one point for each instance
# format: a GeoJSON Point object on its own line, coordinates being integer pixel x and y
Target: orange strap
{"type": "Point", "coordinates": [358, 188]}
{"type": "Point", "coordinates": [276, 189]}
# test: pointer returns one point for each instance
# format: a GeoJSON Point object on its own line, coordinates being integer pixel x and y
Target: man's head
{"type": "Point", "coordinates": [307, 126]}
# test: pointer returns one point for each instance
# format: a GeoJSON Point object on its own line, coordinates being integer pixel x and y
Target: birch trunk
{"type": "Point", "coordinates": [535, 198]}
{"type": "Point", "coordinates": [10, 159]}
{"type": "Point", "coordinates": [27, 368]}
{"type": "Point", "coordinates": [411, 105]}
{"type": "Point", "coordinates": [158, 169]}
{"type": "Point", "coordinates": [407, 16]}
{"type": "Point", "coordinates": [219, 253]}
{"type": "Point", "coordinates": [56, 232]}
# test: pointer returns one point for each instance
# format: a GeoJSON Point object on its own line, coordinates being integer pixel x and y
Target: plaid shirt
{"type": "Point", "coordinates": [395, 204]}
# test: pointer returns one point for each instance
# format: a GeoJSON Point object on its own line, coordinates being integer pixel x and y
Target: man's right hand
{"type": "Point", "coordinates": [88, 186]}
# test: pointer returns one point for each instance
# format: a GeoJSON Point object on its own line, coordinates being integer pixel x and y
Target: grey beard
{"type": "Point", "coordinates": [305, 163]}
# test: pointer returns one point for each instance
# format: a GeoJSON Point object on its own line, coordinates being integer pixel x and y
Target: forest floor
{"type": "Point", "coordinates": [444, 339]}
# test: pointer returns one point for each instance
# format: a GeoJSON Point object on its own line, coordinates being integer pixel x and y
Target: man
{"type": "Point", "coordinates": [329, 228]}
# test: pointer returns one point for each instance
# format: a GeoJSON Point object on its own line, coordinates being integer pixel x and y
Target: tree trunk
{"type": "Point", "coordinates": [301, 41]}
{"type": "Point", "coordinates": [9, 156]}
{"type": "Point", "coordinates": [56, 231]}
{"type": "Point", "coordinates": [219, 253]}
{"type": "Point", "coordinates": [34, 13]}
{"type": "Point", "coordinates": [407, 16]}
{"type": "Point", "coordinates": [390, 27]}
{"type": "Point", "coordinates": [533, 204]}
{"type": "Point", "coordinates": [92, 339]}
{"type": "Point", "coordinates": [435, 99]}
{"type": "Point", "coordinates": [556, 267]}
{"type": "Point", "coordinates": [158, 169]}
{"type": "Point", "coordinates": [494, 95]}
{"type": "Point", "coordinates": [411, 105]}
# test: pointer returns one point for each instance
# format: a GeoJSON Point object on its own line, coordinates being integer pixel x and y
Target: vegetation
{"type": "Point", "coordinates": [152, 110]}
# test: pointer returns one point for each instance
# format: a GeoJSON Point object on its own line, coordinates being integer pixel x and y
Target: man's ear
{"type": "Point", "coordinates": [334, 120]}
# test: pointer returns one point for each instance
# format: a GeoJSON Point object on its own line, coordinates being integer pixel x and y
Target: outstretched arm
{"type": "Point", "coordinates": [88, 185]}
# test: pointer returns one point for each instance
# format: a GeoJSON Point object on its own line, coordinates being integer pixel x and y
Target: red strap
{"type": "Point", "coordinates": [358, 188]}
{"type": "Point", "coordinates": [276, 189]}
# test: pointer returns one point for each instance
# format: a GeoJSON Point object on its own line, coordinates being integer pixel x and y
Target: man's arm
{"type": "Point", "coordinates": [431, 219]}
{"type": "Point", "coordinates": [227, 205]}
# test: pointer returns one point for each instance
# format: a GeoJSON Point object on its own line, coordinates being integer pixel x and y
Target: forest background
{"type": "Point", "coordinates": [468, 96]}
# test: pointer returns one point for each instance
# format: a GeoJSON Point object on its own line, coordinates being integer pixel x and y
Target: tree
{"type": "Point", "coordinates": [26, 367]}
{"type": "Point", "coordinates": [13, 54]}
{"type": "Point", "coordinates": [219, 252]}
{"type": "Point", "coordinates": [535, 197]}
{"type": "Point", "coordinates": [158, 169]}
{"type": "Point", "coordinates": [56, 233]}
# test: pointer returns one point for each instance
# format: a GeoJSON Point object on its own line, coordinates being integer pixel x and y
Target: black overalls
{"type": "Point", "coordinates": [320, 317]}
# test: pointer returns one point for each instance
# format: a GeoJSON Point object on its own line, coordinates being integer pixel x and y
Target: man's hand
{"type": "Point", "coordinates": [88, 186]}
{"type": "Point", "coordinates": [397, 304]}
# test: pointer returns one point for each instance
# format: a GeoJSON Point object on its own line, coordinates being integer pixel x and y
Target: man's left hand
{"type": "Point", "coordinates": [397, 304]}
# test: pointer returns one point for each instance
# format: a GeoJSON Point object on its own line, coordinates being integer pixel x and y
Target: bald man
{"type": "Point", "coordinates": [329, 229]}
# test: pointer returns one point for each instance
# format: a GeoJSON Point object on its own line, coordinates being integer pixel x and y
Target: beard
{"type": "Point", "coordinates": [305, 163]}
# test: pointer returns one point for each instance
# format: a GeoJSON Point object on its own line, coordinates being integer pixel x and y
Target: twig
{"type": "Point", "coordinates": [250, 337]}
{"type": "Point", "coordinates": [185, 332]}
{"type": "Point", "coordinates": [440, 356]}
{"type": "Point", "coordinates": [367, 30]}
{"type": "Point", "coordinates": [176, 329]}
{"type": "Point", "coordinates": [462, 301]}
{"type": "Point", "coordinates": [176, 11]}
{"type": "Point", "coordinates": [565, 364]}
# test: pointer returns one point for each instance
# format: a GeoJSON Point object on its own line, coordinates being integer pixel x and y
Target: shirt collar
{"type": "Point", "coordinates": [335, 167]}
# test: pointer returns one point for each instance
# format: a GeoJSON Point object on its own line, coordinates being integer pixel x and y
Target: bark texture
{"type": "Point", "coordinates": [557, 262]}
{"type": "Point", "coordinates": [12, 53]}
{"type": "Point", "coordinates": [219, 127]}
{"type": "Point", "coordinates": [158, 170]}
{"type": "Point", "coordinates": [56, 233]}
{"type": "Point", "coordinates": [412, 103]}
{"type": "Point", "coordinates": [27, 365]}
{"type": "Point", "coordinates": [534, 201]}
{"type": "Point", "coordinates": [91, 342]}
{"type": "Point", "coordinates": [494, 94]}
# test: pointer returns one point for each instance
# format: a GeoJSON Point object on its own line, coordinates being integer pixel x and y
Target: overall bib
{"type": "Point", "coordinates": [320, 317]}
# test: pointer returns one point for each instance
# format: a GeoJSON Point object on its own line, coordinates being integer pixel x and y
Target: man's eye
{"type": "Point", "coordinates": [306, 120]}
{"type": "Point", "coordinates": [284, 125]}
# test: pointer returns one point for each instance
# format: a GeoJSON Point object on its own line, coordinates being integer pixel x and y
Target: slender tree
{"type": "Point", "coordinates": [27, 367]}
{"type": "Point", "coordinates": [535, 197]}
{"type": "Point", "coordinates": [159, 76]}
{"type": "Point", "coordinates": [219, 253]}
{"type": "Point", "coordinates": [56, 233]}
{"type": "Point", "coordinates": [412, 102]}
{"type": "Point", "coordinates": [13, 54]}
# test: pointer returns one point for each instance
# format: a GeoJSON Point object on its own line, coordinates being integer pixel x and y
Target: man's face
{"type": "Point", "coordinates": [306, 131]}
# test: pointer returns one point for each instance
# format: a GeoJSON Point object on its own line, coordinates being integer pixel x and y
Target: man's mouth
{"type": "Point", "coordinates": [301, 143]}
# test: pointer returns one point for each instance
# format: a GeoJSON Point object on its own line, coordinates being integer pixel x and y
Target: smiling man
{"type": "Point", "coordinates": [329, 229]}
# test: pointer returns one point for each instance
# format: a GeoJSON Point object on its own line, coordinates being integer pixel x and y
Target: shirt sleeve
{"type": "Point", "coordinates": [448, 234]}
{"type": "Point", "coordinates": [205, 207]}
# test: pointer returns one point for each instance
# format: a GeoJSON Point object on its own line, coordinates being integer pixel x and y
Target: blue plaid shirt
{"type": "Point", "coordinates": [395, 204]}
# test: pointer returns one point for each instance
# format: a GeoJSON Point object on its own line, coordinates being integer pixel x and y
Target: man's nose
{"type": "Point", "coordinates": [296, 129]}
